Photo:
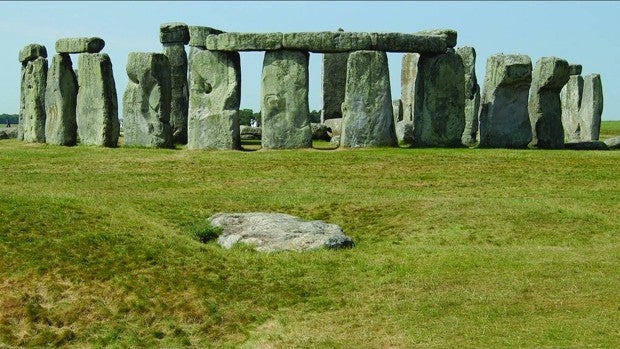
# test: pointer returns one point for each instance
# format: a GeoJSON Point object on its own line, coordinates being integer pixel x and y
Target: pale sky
{"type": "Point", "coordinates": [586, 33]}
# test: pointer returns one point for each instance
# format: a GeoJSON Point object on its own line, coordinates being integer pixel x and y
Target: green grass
{"type": "Point", "coordinates": [609, 129]}
{"type": "Point", "coordinates": [467, 248]}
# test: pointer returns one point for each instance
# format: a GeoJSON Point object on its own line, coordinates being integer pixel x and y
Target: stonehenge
{"type": "Point", "coordinates": [193, 98]}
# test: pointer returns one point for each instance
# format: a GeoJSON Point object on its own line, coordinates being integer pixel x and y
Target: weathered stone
{"type": "Point", "coordinates": [570, 98]}
{"type": "Point", "coordinates": [271, 232]}
{"type": "Point", "coordinates": [60, 102]}
{"type": "Point", "coordinates": [335, 140]}
{"type": "Point", "coordinates": [320, 132]}
{"type": "Point", "coordinates": [249, 132]}
{"type": "Point", "coordinates": [574, 69]}
{"type": "Point", "coordinates": [8, 133]}
{"type": "Point", "coordinates": [549, 76]}
{"type": "Point", "coordinates": [397, 110]}
{"type": "Point", "coordinates": [97, 104]}
{"type": "Point", "coordinates": [504, 119]}
{"type": "Point", "coordinates": [146, 101]}
{"type": "Point", "coordinates": [404, 133]}
{"type": "Point", "coordinates": [80, 45]}
{"type": "Point", "coordinates": [31, 52]}
{"type": "Point", "coordinates": [180, 94]}
{"type": "Point", "coordinates": [586, 145]}
{"type": "Point", "coordinates": [32, 114]}
{"type": "Point", "coordinates": [335, 125]}
{"type": "Point", "coordinates": [408, 78]}
{"type": "Point", "coordinates": [399, 42]}
{"type": "Point", "coordinates": [334, 78]}
{"type": "Point", "coordinates": [198, 35]}
{"type": "Point", "coordinates": [244, 42]}
{"type": "Point", "coordinates": [215, 85]}
{"type": "Point", "coordinates": [450, 35]}
{"type": "Point", "coordinates": [173, 32]}
{"type": "Point", "coordinates": [472, 95]}
{"type": "Point", "coordinates": [613, 143]}
{"type": "Point", "coordinates": [326, 42]}
{"type": "Point", "coordinates": [439, 106]}
{"type": "Point", "coordinates": [368, 119]}
{"type": "Point", "coordinates": [591, 108]}
{"type": "Point", "coordinates": [284, 100]}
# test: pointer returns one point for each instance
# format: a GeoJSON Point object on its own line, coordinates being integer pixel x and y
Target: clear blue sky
{"type": "Point", "coordinates": [586, 33]}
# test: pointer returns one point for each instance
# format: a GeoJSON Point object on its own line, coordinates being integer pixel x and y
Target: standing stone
{"type": "Point", "coordinates": [32, 99]}
{"type": "Point", "coordinates": [333, 78]}
{"type": "Point", "coordinates": [97, 104]}
{"type": "Point", "coordinates": [549, 76]}
{"type": "Point", "coordinates": [60, 102]}
{"type": "Point", "coordinates": [504, 119]}
{"type": "Point", "coordinates": [284, 100]}
{"type": "Point", "coordinates": [397, 110]}
{"type": "Point", "coordinates": [439, 105]}
{"type": "Point", "coordinates": [408, 78]}
{"type": "Point", "coordinates": [368, 119]}
{"type": "Point", "coordinates": [570, 98]}
{"type": "Point", "coordinates": [472, 95]}
{"type": "Point", "coordinates": [591, 108]}
{"type": "Point", "coordinates": [174, 37]}
{"type": "Point", "coordinates": [215, 96]}
{"type": "Point", "coordinates": [146, 102]}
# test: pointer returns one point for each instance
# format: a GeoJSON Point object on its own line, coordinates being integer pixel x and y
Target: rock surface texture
{"type": "Point", "coordinates": [271, 232]}
{"type": "Point", "coordinates": [591, 108]}
{"type": "Point", "coordinates": [80, 45]}
{"type": "Point", "coordinates": [60, 102]}
{"type": "Point", "coordinates": [32, 99]}
{"type": "Point", "coordinates": [174, 37]}
{"type": "Point", "coordinates": [333, 78]}
{"type": "Point", "coordinates": [472, 95]}
{"type": "Point", "coordinates": [570, 97]}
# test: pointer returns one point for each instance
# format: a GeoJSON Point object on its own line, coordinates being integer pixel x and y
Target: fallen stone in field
{"type": "Point", "coordinates": [613, 143]}
{"type": "Point", "coordinates": [8, 133]}
{"type": "Point", "coordinates": [249, 132]}
{"type": "Point", "coordinates": [586, 145]}
{"type": "Point", "coordinates": [272, 232]}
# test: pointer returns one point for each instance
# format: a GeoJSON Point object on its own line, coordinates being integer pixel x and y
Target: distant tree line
{"type": "Point", "coordinates": [8, 119]}
{"type": "Point", "coordinates": [246, 115]}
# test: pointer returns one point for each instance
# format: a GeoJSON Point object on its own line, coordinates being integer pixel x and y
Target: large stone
{"type": "Point", "coordinates": [284, 100]}
{"type": "Point", "coordinates": [334, 78]}
{"type": "Point", "coordinates": [404, 133]}
{"type": "Point", "coordinates": [450, 35]}
{"type": "Point", "coordinates": [198, 35]}
{"type": "Point", "coordinates": [320, 132]}
{"type": "Point", "coordinates": [575, 69]}
{"type": "Point", "coordinates": [326, 42]}
{"type": "Point", "coordinates": [180, 94]}
{"type": "Point", "coordinates": [173, 32]}
{"type": "Point", "coordinates": [397, 110]}
{"type": "Point", "coordinates": [244, 42]}
{"type": "Point", "coordinates": [335, 125]}
{"type": "Point", "coordinates": [97, 103]}
{"type": "Point", "coordinates": [613, 143]}
{"type": "Point", "coordinates": [215, 86]}
{"type": "Point", "coordinates": [504, 119]}
{"type": "Point", "coordinates": [271, 232]}
{"type": "Point", "coordinates": [146, 101]}
{"type": "Point", "coordinates": [472, 95]}
{"type": "Point", "coordinates": [400, 42]}
{"type": "Point", "coordinates": [80, 45]}
{"type": "Point", "coordinates": [439, 107]}
{"type": "Point", "coordinates": [32, 113]}
{"type": "Point", "coordinates": [60, 102]}
{"type": "Point", "coordinates": [31, 52]}
{"type": "Point", "coordinates": [368, 119]}
{"type": "Point", "coordinates": [570, 98]}
{"type": "Point", "coordinates": [545, 109]}
{"type": "Point", "coordinates": [250, 132]}
{"type": "Point", "coordinates": [586, 145]}
{"type": "Point", "coordinates": [408, 78]}
{"type": "Point", "coordinates": [591, 108]}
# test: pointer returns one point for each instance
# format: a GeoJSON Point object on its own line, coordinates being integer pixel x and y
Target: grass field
{"type": "Point", "coordinates": [455, 248]}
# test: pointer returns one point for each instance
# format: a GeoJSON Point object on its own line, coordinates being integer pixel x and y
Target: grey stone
{"type": "Point", "coordinates": [60, 102]}
{"type": "Point", "coordinates": [146, 101]}
{"type": "Point", "coordinates": [504, 120]}
{"type": "Point", "coordinates": [368, 119]}
{"type": "Point", "coordinates": [408, 78]}
{"type": "Point", "coordinates": [400, 42]}
{"type": "Point", "coordinates": [8, 133]}
{"type": "Point", "coordinates": [180, 94]}
{"type": "Point", "coordinates": [333, 78]}
{"type": "Point", "coordinates": [244, 42]}
{"type": "Point", "coordinates": [439, 107]}
{"type": "Point", "coordinates": [271, 232]}
{"type": "Point", "coordinates": [326, 42]}
{"type": "Point", "coordinates": [249, 132]}
{"type": "Point", "coordinates": [32, 114]}
{"type": "Point", "coordinates": [404, 133]}
{"type": "Point", "coordinates": [284, 100]}
{"type": "Point", "coordinates": [97, 103]}
{"type": "Point", "coordinates": [613, 143]}
{"type": "Point", "coordinates": [335, 140]}
{"type": "Point", "coordinates": [198, 35]}
{"type": "Point", "coordinates": [450, 35]}
{"type": "Point", "coordinates": [575, 69]}
{"type": "Point", "coordinates": [545, 109]}
{"type": "Point", "coordinates": [80, 45]}
{"type": "Point", "coordinates": [472, 95]}
{"type": "Point", "coordinates": [570, 98]}
{"type": "Point", "coordinates": [31, 52]}
{"type": "Point", "coordinates": [586, 145]}
{"type": "Point", "coordinates": [397, 110]}
{"type": "Point", "coordinates": [173, 32]}
{"type": "Point", "coordinates": [335, 125]}
{"type": "Point", "coordinates": [591, 108]}
{"type": "Point", "coordinates": [215, 86]}
{"type": "Point", "coordinates": [320, 132]}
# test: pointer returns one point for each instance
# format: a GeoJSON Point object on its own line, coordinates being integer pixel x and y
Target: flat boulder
{"type": "Point", "coordinates": [613, 143]}
{"type": "Point", "coordinates": [272, 232]}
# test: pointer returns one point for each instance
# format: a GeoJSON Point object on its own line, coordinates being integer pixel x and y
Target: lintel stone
{"type": "Point", "coordinates": [327, 42]}
{"type": "Point", "coordinates": [80, 45]}
{"type": "Point", "coordinates": [198, 35]}
{"type": "Point", "coordinates": [575, 69]}
{"type": "Point", "coordinates": [173, 32]}
{"type": "Point", "coordinates": [244, 42]}
{"type": "Point", "coordinates": [32, 52]}
{"type": "Point", "coordinates": [399, 42]}
{"type": "Point", "coordinates": [449, 34]}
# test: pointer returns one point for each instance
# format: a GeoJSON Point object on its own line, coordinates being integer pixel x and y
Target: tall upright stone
{"type": "Point", "coordinates": [545, 110]}
{"type": "Point", "coordinates": [504, 120]}
{"type": "Point", "coordinates": [439, 107]}
{"type": "Point", "coordinates": [33, 59]}
{"type": "Point", "coordinates": [570, 98]}
{"type": "Point", "coordinates": [174, 37]}
{"type": "Point", "coordinates": [591, 107]}
{"type": "Point", "coordinates": [97, 104]}
{"type": "Point", "coordinates": [333, 78]}
{"type": "Point", "coordinates": [215, 95]}
{"type": "Point", "coordinates": [472, 95]}
{"type": "Point", "coordinates": [146, 101]}
{"type": "Point", "coordinates": [284, 100]}
{"type": "Point", "coordinates": [368, 119]}
{"type": "Point", "coordinates": [60, 102]}
{"type": "Point", "coordinates": [408, 78]}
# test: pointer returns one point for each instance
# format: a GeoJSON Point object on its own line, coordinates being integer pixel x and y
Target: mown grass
{"type": "Point", "coordinates": [463, 248]}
